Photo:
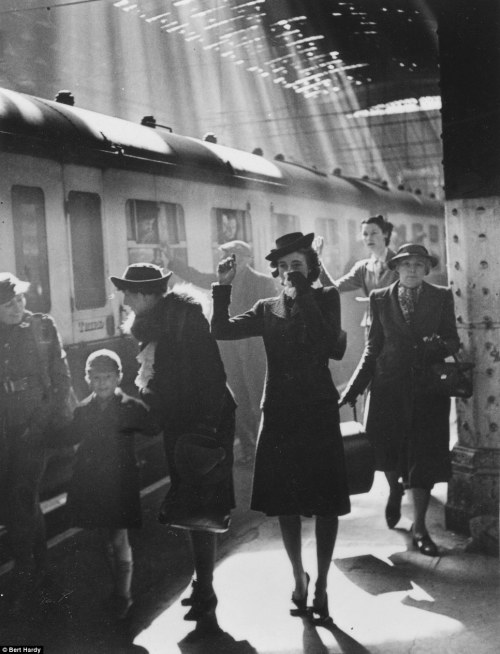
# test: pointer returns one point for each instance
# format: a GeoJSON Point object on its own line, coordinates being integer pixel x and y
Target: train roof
{"type": "Point", "coordinates": [46, 128]}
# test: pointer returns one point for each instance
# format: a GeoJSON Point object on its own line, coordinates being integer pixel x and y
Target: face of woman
{"type": "Point", "coordinates": [293, 262]}
{"type": "Point", "coordinates": [412, 271]}
{"type": "Point", "coordinates": [373, 237]}
{"type": "Point", "coordinates": [11, 313]}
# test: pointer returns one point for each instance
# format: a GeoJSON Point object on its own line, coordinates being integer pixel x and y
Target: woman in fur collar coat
{"type": "Point", "coordinates": [182, 379]}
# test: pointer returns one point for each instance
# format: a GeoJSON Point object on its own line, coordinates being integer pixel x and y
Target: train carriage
{"type": "Point", "coordinates": [85, 194]}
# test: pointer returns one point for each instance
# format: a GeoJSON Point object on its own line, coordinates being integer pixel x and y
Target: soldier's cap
{"type": "Point", "coordinates": [236, 247]}
{"type": "Point", "coordinates": [142, 276]}
{"type": "Point", "coordinates": [10, 286]}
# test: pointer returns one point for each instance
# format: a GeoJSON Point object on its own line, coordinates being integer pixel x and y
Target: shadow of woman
{"type": "Point", "coordinates": [215, 641]}
{"type": "Point", "coordinates": [314, 645]}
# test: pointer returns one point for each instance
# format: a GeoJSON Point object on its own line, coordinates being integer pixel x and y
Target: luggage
{"type": "Point", "coordinates": [359, 456]}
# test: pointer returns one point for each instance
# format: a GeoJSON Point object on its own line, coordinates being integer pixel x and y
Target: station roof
{"type": "Point", "coordinates": [386, 50]}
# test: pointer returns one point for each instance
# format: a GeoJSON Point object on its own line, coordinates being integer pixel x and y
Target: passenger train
{"type": "Point", "coordinates": [84, 194]}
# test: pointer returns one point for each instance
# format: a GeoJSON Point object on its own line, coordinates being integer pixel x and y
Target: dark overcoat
{"type": "Point", "coordinates": [408, 426]}
{"type": "Point", "coordinates": [104, 489]}
{"type": "Point", "coordinates": [299, 467]}
{"type": "Point", "coordinates": [244, 361]}
{"type": "Point", "coordinates": [187, 391]}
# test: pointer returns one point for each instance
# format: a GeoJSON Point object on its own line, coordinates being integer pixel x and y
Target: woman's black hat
{"type": "Point", "coordinates": [140, 275]}
{"type": "Point", "coordinates": [411, 250]}
{"type": "Point", "coordinates": [290, 243]}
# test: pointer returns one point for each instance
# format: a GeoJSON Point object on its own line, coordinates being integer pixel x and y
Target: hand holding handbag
{"type": "Point", "coordinates": [449, 378]}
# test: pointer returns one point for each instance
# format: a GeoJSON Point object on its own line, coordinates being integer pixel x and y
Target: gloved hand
{"type": "Point", "coordinates": [226, 270]}
{"type": "Point", "coordinates": [299, 282]}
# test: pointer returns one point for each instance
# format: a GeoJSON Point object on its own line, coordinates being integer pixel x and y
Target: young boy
{"type": "Point", "coordinates": [104, 490]}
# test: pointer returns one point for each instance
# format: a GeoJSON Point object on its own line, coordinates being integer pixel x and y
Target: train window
{"type": "Point", "coordinates": [87, 250]}
{"type": "Point", "coordinates": [328, 228]}
{"type": "Point", "coordinates": [30, 244]}
{"type": "Point", "coordinates": [433, 233]}
{"type": "Point", "coordinates": [284, 223]}
{"type": "Point", "coordinates": [231, 225]}
{"type": "Point", "coordinates": [418, 234]}
{"type": "Point", "coordinates": [151, 226]}
{"type": "Point", "coordinates": [398, 237]}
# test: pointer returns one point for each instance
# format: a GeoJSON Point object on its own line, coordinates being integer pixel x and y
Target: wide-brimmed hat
{"type": "Point", "coordinates": [411, 250]}
{"type": "Point", "coordinates": [290, 243]}
{"type": "Point", "coordinates": [10, 286]}
{"type": "Point", "coordinates": [142, 275]}
{"type": "Point", "coordinates": [238, 247]}
{"type": "Point", "coordinates": [198, 459]}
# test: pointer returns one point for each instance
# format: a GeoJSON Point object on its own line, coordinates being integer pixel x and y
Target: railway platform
{"type": "Point", "coordinates": [385, 597]}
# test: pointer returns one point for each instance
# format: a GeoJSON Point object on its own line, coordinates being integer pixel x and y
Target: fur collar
{"type": "Point", "coordinates": [150, 326]}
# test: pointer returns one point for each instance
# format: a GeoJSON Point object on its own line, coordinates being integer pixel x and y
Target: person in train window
{"type": "Point", "coordinates": [370, 273]}
{"type": "Point", "coordinates": [34, 385]}
{"type": "Point", "coordinates": [182, 379]}
{"type": "Point", "coordinates": [104, 490]}
{"type": "Point", "coordinates": [228, 228]}
{"type": "Point", "coordinates": [299, 466]}
{"type": "Point", "coordinates": [244, 361]}
{"type": "Point", "coordinates": [413, 321]}
{"type": "Point", "coordinates": [148, 231]}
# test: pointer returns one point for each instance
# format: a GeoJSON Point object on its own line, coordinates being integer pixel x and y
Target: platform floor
{"type": "Point", "coordinates": [385, 597]}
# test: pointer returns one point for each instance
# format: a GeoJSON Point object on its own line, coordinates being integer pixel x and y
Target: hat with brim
{"type": "Point", "coordinates": [142, 276]}
{"type": "Point", "coordinates": [290, 243]}
{"type": "Point", "coordinates": [411, 250]}
{"type": "Point", "coordinates": [10, 286]}
{"type": "Point", "coordinates": [238, 247]}
{"type": "Point", "coordinates": [198, 459]}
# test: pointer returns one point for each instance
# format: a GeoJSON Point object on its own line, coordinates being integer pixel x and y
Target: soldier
{"type": "Point", "coordinates": [34, 388]}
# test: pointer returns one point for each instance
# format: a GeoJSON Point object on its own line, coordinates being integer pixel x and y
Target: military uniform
{"type": "Point", "coordinates": [34, 386]}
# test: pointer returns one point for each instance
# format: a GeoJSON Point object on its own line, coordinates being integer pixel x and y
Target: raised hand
{"type": "Point", "coordinates": [318, 244]}
{"type": "Point", "coordinates": [226, 270]}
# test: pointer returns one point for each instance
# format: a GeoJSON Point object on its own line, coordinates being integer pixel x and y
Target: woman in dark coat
{"type": "Point", "coordinates": [413, 322]}
{"type": "Point", "coordinates": [299, 467]}
{"type": "Point", "coordinates": [182, 379]}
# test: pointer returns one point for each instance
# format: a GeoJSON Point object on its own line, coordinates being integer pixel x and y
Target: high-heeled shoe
{"type": "Point", "coordinates": [320, 609]}
{"type": "Point", "coordinates": [202, 607]}
{"type": "Point", "coordinates": [188, 601]}
{"type": "Point", "coordinates": [301, 603]}
{"type": "Point", "coordinates": [426, 545]}
{"type": "Point", "coordinates": [393, 506]}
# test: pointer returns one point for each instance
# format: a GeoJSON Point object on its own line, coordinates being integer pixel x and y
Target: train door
{"type": "Point", "coordinates": [30, 244]}
{"type": "Point", "coordinates": [92, 316]}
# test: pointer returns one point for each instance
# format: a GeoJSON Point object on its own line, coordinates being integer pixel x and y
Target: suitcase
{"type": "Point", "coordinates": [359, 458]}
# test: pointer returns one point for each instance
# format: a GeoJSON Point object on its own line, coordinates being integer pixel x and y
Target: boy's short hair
{"type": "Point", "coordinates": [103, 361]}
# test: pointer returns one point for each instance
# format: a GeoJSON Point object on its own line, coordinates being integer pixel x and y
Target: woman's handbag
{"type": "Point", "coordinates": [185, 509]}
{"type": "Point", "coordinates": [202, 466]}
{"type": "Point", "coordinates": [359, 458]}
{"type": "Point", "coordinates": [449, 378]}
